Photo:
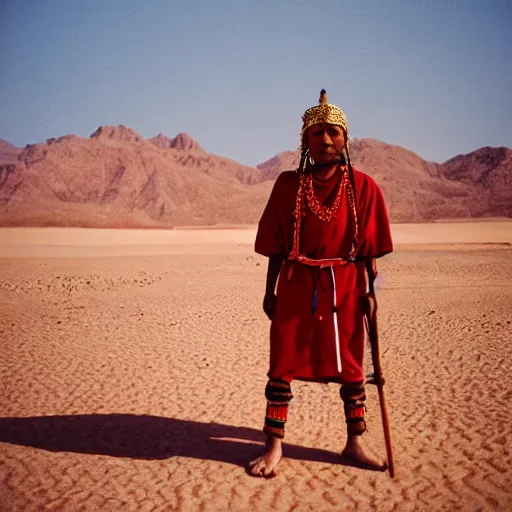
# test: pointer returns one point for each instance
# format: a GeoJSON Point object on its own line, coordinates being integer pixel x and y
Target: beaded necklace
{"type": "Point", "coordinates": [306, 198]}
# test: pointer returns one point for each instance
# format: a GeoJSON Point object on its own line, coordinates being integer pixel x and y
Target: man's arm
{"type": "Point", "coordinates": [274, 267]}
{"type": "Point", "coordinates": [275, 262]}
{"type": "Point", "coordinates": [371, 272]}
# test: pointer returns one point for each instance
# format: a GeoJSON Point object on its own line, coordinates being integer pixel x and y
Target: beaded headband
{"type": "Point", "coordinates": [323, 113]}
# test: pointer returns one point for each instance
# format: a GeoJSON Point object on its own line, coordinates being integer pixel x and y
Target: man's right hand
{"type": "Point", "coordinates": [269, 305]}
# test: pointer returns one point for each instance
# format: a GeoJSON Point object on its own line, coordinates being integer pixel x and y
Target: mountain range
{"type": "Point", "coordinates": [117, 178]}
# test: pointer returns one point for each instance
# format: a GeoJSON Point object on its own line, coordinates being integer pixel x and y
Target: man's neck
{"type": "Point", "coordinates": [324, 172]}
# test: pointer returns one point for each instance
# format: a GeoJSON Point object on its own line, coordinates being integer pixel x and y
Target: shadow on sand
{"type": "Point", "coordinates": [146, 437]}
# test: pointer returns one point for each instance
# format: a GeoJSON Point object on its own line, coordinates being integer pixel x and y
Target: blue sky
{"type": "Point", "coordinates": [432, 76]}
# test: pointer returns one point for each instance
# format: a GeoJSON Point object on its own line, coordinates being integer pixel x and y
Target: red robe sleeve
{"type": "Point", "coordinates": [275, 228]}
{"type": "Point", "coordinates": [374, 229]}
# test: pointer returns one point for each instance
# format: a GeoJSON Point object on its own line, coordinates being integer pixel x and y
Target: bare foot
{"type": "Point", "coordinates": [266, 464]}
{"type": "Point", "coordinates": [356, 456]}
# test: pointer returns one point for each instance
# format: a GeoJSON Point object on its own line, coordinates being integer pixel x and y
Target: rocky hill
{"type": "Point", "coordinates": [117, 178]}
{"type": "Point", "coordinates": [488, 172]}
{"type": "Point", "coordinates": [8, 153]}
{"type": "Point", "coordinates": [475, 185]}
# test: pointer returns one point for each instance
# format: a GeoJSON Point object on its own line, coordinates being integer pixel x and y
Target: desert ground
{"type": "Point", "coordinates": [133, 366]}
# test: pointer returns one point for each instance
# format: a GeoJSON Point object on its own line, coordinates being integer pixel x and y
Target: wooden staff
{"type": "Point", "coordinates": [377, 377]}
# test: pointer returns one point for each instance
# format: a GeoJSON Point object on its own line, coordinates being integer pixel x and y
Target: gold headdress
{"type": "Point", "coordinates": [323, 113]}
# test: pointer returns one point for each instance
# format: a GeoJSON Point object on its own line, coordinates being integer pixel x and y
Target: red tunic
{"type": "Point", "coordinates": [302, 343]}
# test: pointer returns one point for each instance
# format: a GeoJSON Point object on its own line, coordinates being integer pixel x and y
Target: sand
{"type": "Point", "coordinates": [133, 366]}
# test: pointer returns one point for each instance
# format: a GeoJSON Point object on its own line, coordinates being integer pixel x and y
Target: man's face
{"type": "Point", "coordinates": [325, 143]}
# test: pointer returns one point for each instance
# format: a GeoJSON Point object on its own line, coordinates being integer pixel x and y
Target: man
{"type": "Point", "coordinates": [320, 227]}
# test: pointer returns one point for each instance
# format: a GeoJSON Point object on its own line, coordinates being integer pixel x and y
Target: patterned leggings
{"type": "Point", "coordinates": [279, 393]}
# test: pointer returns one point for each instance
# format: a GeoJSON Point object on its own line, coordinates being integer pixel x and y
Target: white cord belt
{"type": "Point", "coordinates": [335, 319]}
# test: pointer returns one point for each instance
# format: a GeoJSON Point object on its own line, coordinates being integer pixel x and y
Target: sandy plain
{"type": "Point", "coordinates": [133, 366]}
